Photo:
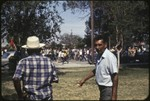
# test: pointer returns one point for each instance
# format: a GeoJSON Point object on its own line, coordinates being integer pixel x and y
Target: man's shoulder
{"type": "Point", "coordinates": [35, 56]}
{"type": "Point", "coordinates": [44, 58]}
{"type": "Point", "coordinates": [110, 54]}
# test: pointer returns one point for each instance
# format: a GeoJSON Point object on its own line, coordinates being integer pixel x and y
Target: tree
{"type": "Point", "coordinates": [121, 19]}
{"type": "Point", "coordinates": [124, 18]}
{"type": "Point", "coordinates": [24, 18]}
{"type": "Point", "coordinates": [71, 41]}
{"type": "Point", "coordinates": [124, 15]}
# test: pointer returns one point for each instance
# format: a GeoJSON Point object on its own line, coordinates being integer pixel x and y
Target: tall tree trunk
{"type": "Point", "coordinates": [119, 40]}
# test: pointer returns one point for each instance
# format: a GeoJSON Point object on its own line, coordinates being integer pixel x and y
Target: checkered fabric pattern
{"type": "Point", "coordinates": [37, 72]}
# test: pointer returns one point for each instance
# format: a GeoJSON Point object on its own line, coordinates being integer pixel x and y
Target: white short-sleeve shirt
{"type": "Point", "coordinates": [105, 67]}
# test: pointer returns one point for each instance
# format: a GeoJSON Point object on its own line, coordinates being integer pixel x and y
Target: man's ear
{"type": "Point", "coordinates": [105, 45]}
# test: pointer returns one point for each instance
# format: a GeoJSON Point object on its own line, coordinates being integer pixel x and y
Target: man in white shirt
{"type": "Point", "coordinates": [106, 71]}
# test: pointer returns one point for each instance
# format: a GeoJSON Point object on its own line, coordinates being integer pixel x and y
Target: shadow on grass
{"type": "Point", "coordinates": [9, 97]}
{"type": "Point", "coordinates": [61, 73]}
{"type": "Point", "coordinates": [134, 71]}
{"type": "Point", "coordinates": [135, 65]}
{"type": "Point", "coordinates": [6, 75]}
{"type": "Point", "coordinates": [147, 99]}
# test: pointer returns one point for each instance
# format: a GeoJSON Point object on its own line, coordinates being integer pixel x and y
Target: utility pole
{"type": "Point", "coordinates": [92, 30]}
{"type": "Point", "coordinates": [71, 39]}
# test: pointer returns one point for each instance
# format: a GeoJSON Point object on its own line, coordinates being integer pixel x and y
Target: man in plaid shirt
{"type": "Point", "coordinates": [37, 73]}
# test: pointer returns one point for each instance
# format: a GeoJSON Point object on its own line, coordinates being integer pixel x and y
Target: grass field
{"type": "Point", "coordinates": [133, 85]}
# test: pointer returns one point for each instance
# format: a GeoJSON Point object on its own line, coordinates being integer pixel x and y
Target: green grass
{"type": "Point", "coordinates": [133, 85]}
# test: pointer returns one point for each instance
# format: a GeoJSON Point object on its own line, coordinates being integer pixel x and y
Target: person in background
{"type": "Point", "coordinates": [106, 71]}
{"type": "Point", "coordinates": [37, 73]}
{"type": "Point", "coordinates": [18, 54]}
{"type": "Point", "coordinates": [66, 57]}
{"type": "Point", "coordinates": [62, 56]}
{"type": "Point", "coordinates": [59, 56]}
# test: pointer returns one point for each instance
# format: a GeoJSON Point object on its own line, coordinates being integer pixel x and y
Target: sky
{"type": "Point", "coordinates": [73, 22]}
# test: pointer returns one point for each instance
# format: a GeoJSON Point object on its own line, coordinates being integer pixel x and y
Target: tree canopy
{"type": "Point", "coordinates": [20, 19]}
{"type": "Point", "coordinates": [125, 22]}
{"type": "Point", "coordinates": [71, 40]}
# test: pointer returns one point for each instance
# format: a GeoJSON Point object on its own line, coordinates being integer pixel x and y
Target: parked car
{"type": "Point", "coordinates": [5, 57]}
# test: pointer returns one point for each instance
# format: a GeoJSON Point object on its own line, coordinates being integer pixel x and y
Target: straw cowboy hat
{"type": "Point", "coordinates": [33, 43]}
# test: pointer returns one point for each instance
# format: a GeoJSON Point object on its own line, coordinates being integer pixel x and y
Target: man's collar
{"type": "Point", "coordinates": [104, 53]}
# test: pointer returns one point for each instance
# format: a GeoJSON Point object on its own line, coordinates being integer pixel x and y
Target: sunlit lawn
{"type": "Point", "coordinates": [133, 85]}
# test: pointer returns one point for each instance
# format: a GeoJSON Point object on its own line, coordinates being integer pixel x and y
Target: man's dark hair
{"type": "Point", "coordinates": [34, 51]}
{"type": "Point", "coordinates": [101, 37]}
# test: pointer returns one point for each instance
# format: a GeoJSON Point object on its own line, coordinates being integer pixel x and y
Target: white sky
{"type": "Point", "coordinates": [73, 22]}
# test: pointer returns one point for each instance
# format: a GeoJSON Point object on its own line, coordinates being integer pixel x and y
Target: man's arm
{"type": "Point", "coordinates": [17, 85]}
{"type": "Point", "coordinates": [89, 75]}
{"type": "Point", "coordinates": [115, 86]}
{"type": "Point", "coordinates": [55, 78]}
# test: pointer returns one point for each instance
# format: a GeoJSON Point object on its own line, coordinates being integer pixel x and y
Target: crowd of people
{"type": "Point", "coordinates": [66, 54]}
{"type": "Point", "coordinates": [133, 54]}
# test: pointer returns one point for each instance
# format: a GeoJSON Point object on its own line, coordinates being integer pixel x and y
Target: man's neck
{"type": "Point", "coordinates": [101, 52]}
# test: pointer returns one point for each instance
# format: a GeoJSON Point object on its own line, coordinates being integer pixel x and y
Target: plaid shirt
{"type": "Point", "coordinates": [37, 73]}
